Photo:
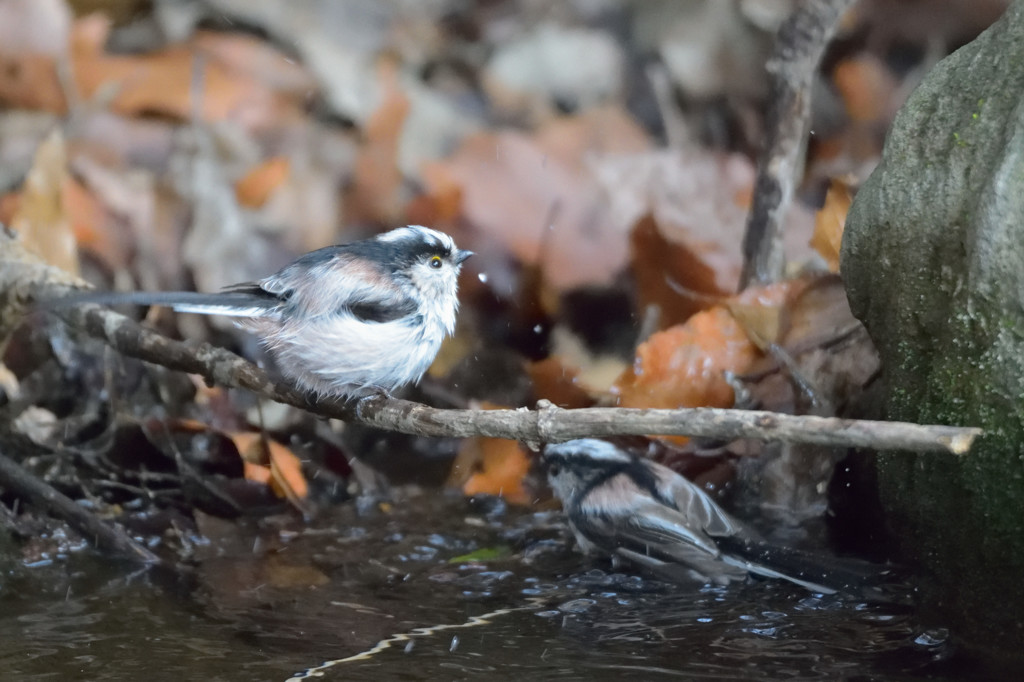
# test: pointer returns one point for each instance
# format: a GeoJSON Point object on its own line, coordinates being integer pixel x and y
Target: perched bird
{"type": "Point", "coordinates": [342, 321]}
{"type": "Point", "coordinates": [648, 515]}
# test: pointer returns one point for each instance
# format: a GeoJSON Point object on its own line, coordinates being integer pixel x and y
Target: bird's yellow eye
{"type": "Point", "coordinates": [435, 262]}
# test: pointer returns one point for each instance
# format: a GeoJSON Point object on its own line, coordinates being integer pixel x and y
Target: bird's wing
{"type": "Point", "coordinates": [696, 505]}
{"type": "Point", "coordinates": [657, 537]}
{"type": "Point", "coordinates": [332, 280]}
{"type": "Point", "coordinates": [618, 514]}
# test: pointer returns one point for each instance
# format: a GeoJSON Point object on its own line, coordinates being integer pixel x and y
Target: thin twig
{"type": "Point", "coordinates": [21, 482]}
{"type": "Point", "coordinates": [799, 46]}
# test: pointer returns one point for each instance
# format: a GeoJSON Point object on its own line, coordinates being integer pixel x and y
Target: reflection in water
{"type": "Point", "coordinates": [272, 601]}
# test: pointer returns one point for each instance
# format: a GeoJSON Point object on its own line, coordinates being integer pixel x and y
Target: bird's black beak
{"type": "Point", "coordinates": [462, 255]}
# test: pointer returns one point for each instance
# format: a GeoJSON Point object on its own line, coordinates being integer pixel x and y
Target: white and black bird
{"type": "Point", "coordinates": [644, 513]}
{"type": "Point", "coordinates": [342, 321]}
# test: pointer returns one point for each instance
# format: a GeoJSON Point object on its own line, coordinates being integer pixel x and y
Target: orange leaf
{"type": "Point", "coordinates": [285, 469]}
{"type": "Point", "coordinates": [162, 81]}
{"type": "Point", "coordinates": [256, 472]}
{"type": "Point", "coordinates": [9, 203]}
{"type": "Point", "coordinates": [667, 272]}
{"type": "Point", "coordinates": [537, 197]}
{"type": "Point", "coordinates": [258, 184]}
{"type": "Point", "coordinates": [866, 86]}
{"type": "Point", "coordinates": [29, 81]}
{"type": "Point", "coordinates": [442, 201]}
{"type": "Point", "coordinates": [683, 366]}
{"type": "Point", "coordinates": [763, 311]}
{"type": "Point", "coordinates": [377, 179]}
{"type": "Point", "coordinates": [501, 466]}
{"type": "Point", "coordinates": [554, 381]}
{"type": "Point", "coordinates": [829, 223]}
{"type": "Point", "coordinates": [93, 225]}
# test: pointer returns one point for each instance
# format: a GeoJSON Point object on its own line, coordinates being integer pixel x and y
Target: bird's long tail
{"type": "Point", "coordinates": [816, 572]}
{"type": "Point", "coordinates": [249, 302]}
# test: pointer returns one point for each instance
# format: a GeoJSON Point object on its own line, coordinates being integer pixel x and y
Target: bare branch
{"type": "Point", "coordinates": [799, 46]}
{"type": "Point", "coordinates": [21, 482]}
{"type": "Point", "coordinates": [547, 424]}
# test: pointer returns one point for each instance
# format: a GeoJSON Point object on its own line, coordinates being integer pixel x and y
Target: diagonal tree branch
{"type": "Point", "coordinates": [799, 46]}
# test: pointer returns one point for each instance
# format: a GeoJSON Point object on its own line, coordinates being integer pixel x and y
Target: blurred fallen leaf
{"type": "Point", "coordinates": [115, 221]}
{"type": "Point", "coordinates": [91, 225]}
{"type": "Point", "coordinates": [690, 208]}
{"type": "Point", "coordinates": [41, 219]}
{"type": "Point", "coordinates": [376, 191]}
{"type": "Point", "coordinates": [763, 311]}
{"type": "Point", "coordinates": [442, 200]}
{"type": "Point", "coordinates": [684, 365]}
{"type": "Point", "coordinates": [9, 206]}
{"type": "Point", "coordinates": [537, 196]}
{"type": "Point", "coordinates": [257, 473]}
{"type": "Point", "coordinates": [669, 275]}
{"type": "Point", "coordinates": [260, 453]}
{"type": "Point", "coordinates": [491, 466]}
{"type": "Point", "coordinates": [162, 81]}
{"type": "Point", "coordinates": [256, 186]}
{"type": "Point", "coordinates": [818, 313]}
{"type": "Point", "coordinates": [557, 383]}
{"type": "Point", "coordinates": [33, 36]}
{"type": "Point", "coordinates": [829, 223]}
{"type": "Point", "coordinates": [593, 372]}
{"type": "Point", "coordinates": [867, 88]}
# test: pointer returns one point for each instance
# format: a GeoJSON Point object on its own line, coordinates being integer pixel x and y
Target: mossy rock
{"type": "Point", "coordinates": [933, 261]}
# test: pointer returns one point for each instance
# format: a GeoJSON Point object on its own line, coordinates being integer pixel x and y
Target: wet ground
{"type": "Point", "coordinates": [434, 588]}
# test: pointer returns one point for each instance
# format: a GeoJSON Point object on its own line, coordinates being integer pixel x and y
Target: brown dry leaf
{"type": "Point", "coordinates": [558, 383]}
{"type": "Point", "coordinates": [161, 82]}
{"type": "Point", "coordinates": [670, 275]}
{"type": "Point", "coordinates": [256, 186]}
{"type": "Point", "coordinates": [822, 346]}
{"type": "Point", "coordinates": [286, 478]}
{"type": "Point", "coordinates": [698, 201]}
{"type": "Point", "coordinates": [30, 82]}
{"type": "Point", "coordinates": [257, 473]}
{"type": "Point", "coordinates": [41, 219]}
{"type": "Point", "coordinates": [33, 35]}
{"type": "Point", "coordinates": [121, 204]}
{"type": "Point", "coordinates": [683, 366]}
{"type": "Point", "coordinates": [491, 466]}
{"type": "Point", "coordinates": [377, 179]}
{"type": "Point", "coordinates": [829, 223]}
{"type": "Point", "coordinates": [763, 311]}
{"type": "Point", "coordinates": [90, 223]}
{"type": "Point", "coordinates": [499, 469]}
{"type": "Point", "coordinates": [867, 88]}
{"type": "Point", "coordinates": [9, 203]}
{"type": "Point", "coordinates": [818, 312]}
{"type": "Point", "coordinates": [538, 196]}
{"type": "Point", "coordinates": [442, 201]}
